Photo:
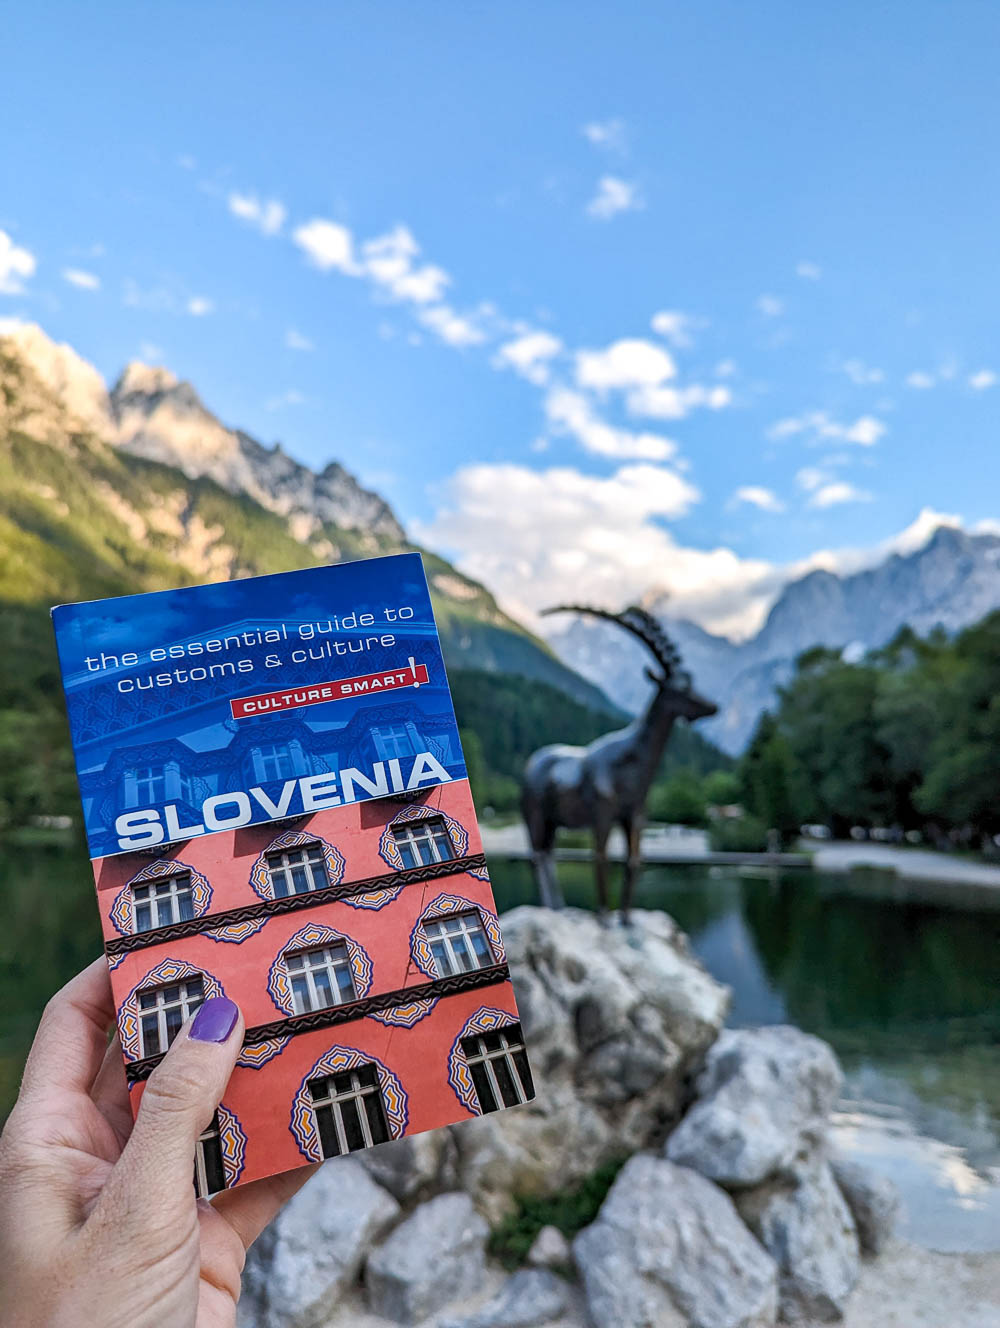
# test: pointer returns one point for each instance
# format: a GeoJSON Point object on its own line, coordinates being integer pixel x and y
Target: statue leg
{"type": "Point", "coordinates": [549, 893]}
{"type": "Point", "coordinates": [633, 861]}
{"type": "Point", "coordinates": [601, 874]}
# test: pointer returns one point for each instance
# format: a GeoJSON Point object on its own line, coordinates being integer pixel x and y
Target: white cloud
{"type": "Point", "coordinates": [920, 380]}
{"type": "Point", "coordinates": [266, 214]}
{"type": "Point", "coordinates": [674, 403]}
{"type": "Point", "coordinates": [200, 305]}
{"type": "Point", "coordinates": [865, 431]}
{"type": "Point", "coordinates": [819, 426]}
{"type": "Point", "coordinates": [82, 280]}
{"type": "Point", "coordinates": [295, 340]}
{"type": "Point", "coordinates": [770, 306]}
{"type": "Point", "coordinates": [327, 245]}
{"type": "Point", "coordinates": [17, 264]}
{"type": "Point", "coordinates": [454, 328]}
{"type": "Point", "coordinates": [289, 398]}
{"type": "Point", "coordinates": [862, 374]}
{"type": "Point", "coordinates": [613, 196]}
{"type": "Point", "coordinates": [573, 413]}
{"type": "Point", "coordinates": [811, 478]}
{"type": "Point", "coordinates": [529, 355]}
{"type": "Point", "coordinates": [982, 379]}
{"type": "Point", "coordinates": [388, 260]}
{"type": "Point", "coordinates": [675, 327]}
{"type": "Point", "coordinates": [630, 362]}
{"type": "Point", "coordinates": [725, 368]}
{"type": "Point", "coordinates": [541, 537]}
{"type": "Point", "coordinates": [150, 352]}
{"type": "Point", "coordinates": [837, 492]}
{"type": "Point", "coordinates": [808, 271]}
{"type": "Point", "coordinates": [608, 134]}
{"type": "Point", "coordinates": [758, 496]}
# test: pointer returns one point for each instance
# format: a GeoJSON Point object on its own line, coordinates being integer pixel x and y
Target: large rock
{"type": "Point", "coordinates": [808, 1229]}
{"type": "Point", "coordinates": [873, 1201]}
{"type": "Point", "coordinates": [415, 1167]}
{"type": "Point", "coordinates": [668, 1250]}
{"type": "Point", "coordinates": [616, 1019]}
{"type": "Point", "coordinates": [762, 1105]}
{"type": "Point", "coordinates": [531, 1297]}
{"type": "Point", "coordinates": [315, 1247]}
{"type": "Point", "coordinates": [433, 1258]}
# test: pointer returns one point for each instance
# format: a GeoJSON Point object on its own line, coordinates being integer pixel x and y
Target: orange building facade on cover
{"type": "Point", "coordinates": [362, 945]}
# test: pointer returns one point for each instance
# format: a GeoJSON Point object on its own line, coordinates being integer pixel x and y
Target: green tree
{"type": "Point", "coordinates": [827, 717]}
{"type": "Point", "coordinates": [771, 781]}
{"type": "Point", "coordinates": [679, 800]}
{"type": "Point", "coordinates": [722, 788]}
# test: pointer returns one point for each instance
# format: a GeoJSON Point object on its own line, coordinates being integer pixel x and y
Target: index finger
{"type": "Point", "coordinates": [72, 1036]}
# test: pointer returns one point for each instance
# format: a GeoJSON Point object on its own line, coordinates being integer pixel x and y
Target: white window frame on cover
{"type": "Point", "coordinates": [335, 961]}
{"type": "Point", "coordinates": [451, 934]}
{"type": "Point", "coordinates": [478, 1054]}
{"type": "Point", "coordinates": [153, 776]}
{"type": "Point", "coordinates": [279, 755]}
{"type": "Point", "coordinates": [356, 1092]}
{"type": "Point", "coordinates": [430, 832]}
{"type": "Point", "coordinates": [191, 994]}
{"type": "Point", "coordinates": [162, 896]}
{"type": "Point", "coordinates": [213, 1135]}
{"type": "Point", "coordinates": [309, 858]}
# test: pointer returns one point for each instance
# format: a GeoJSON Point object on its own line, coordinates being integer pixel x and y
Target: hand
{"type": "Point", "coordinates": [99, 1224]}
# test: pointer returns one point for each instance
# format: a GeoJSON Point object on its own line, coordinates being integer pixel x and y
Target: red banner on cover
{"type": "Point", "coordinates": [318, 693]}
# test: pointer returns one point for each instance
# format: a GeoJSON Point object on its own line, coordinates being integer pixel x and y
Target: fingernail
{"type": "Point", "coordinates": [214, 1020]}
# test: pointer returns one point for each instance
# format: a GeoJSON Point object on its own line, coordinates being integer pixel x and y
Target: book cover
{"type": "Point", "coordinates": [277, 809]}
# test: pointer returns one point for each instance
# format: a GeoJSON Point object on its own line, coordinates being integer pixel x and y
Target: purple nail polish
{"type": "Point", "coordinates": [214, 1020]}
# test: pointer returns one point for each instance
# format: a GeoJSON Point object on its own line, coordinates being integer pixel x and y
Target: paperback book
{"type": "Point", "coordinates": [277, 810]}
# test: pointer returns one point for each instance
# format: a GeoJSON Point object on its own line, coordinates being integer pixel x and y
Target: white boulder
{"type": "Point", "coordinates": [762, 1104]}
{"type": "Point", "coordinates": [668, 1250]}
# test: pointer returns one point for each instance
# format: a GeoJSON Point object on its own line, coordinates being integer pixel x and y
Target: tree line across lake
{"type": "Point", "coordinates": [906, 737]}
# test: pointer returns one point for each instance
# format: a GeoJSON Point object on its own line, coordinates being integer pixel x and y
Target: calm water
{"type": "Point", "coordinates": [903, 985]}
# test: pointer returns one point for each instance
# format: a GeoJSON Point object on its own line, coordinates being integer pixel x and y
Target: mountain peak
{"type": "Point", "coordinates": [74, 382]}
{"type": "Point", "coordinates": [144, 380]}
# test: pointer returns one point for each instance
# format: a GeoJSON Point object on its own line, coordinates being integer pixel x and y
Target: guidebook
{"type": "Point", "coordinates": [277, 810]}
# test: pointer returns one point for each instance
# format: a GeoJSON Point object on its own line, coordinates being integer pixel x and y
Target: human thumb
{"type": "Point", "coordinates": [156, 1166]}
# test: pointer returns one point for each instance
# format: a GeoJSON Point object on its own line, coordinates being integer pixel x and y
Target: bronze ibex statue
{"type": "Point", "coordinates": [606, 784]}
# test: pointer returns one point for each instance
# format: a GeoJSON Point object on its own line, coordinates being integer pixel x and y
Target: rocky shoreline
{"type": "Point", "coordinates": [730, 1211]}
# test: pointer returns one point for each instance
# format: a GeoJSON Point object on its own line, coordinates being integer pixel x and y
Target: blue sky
{"type": "Point", "coordinates": [600, 298]}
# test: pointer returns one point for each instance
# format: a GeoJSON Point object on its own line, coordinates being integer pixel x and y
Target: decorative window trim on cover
{"type": "Point", "coordinates": [485, 1020]}
{"type": "Point", "coordinates": [394, 1100]}
{"type": "Point", "coordinates": [165, 972]}
{"type": "Point", "coordinates": [233, 1142]}
{"type": "Point", "coordinates": [121, 913]}
{"type": "Point", "coordinates": [235, 932]}
{"type": "Point", "coordinates": [373, 898]}
{"type": "Point", "coordinates": [312, 936]}
{"type": "Point", "coordinates": [260, 874]}
{"type": "Point", "coordinates": [457, 833]}
{"type": "Point", "coordinates": [256, 1054]}
{"type": "Point", "coordinates": [441, 907]}
{"type": "Point", "coordinates": [405, 1016]}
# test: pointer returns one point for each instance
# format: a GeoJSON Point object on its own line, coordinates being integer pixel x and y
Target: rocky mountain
{"type": "Point", "coordinates": [105, 493]}
{"type": "Point", "coordinates": [156, 416]}
{"type": "Point", "coordinates": [951, 581]}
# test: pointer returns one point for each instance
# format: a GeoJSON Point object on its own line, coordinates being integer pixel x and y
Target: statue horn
{"type": "Point", "coordinates": [640, 623]}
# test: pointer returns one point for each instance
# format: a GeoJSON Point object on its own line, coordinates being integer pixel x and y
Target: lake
{"type": "Point", "coordinates": [901, 981]}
